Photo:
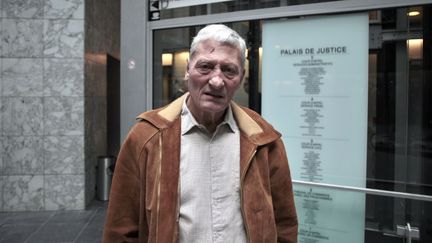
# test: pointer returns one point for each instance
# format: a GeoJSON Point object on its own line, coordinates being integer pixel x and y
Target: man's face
{"type": "Point", "coordinates": [214, 73]}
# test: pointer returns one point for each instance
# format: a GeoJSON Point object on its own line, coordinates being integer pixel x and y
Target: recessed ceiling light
{"type": "Point", "coordinates": [413, 13]}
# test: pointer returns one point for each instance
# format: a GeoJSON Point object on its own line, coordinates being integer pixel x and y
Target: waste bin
{"type": "Point", "coordinates": [105, 170]}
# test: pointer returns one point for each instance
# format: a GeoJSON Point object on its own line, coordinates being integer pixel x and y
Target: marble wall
{"type": "Point", "coordinates": [42, 145]}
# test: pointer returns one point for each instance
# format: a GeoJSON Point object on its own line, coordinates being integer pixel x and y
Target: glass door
{"type": "Point", "coordinates": [399, 123]}
{"type": "Point", "coordinates": [397, 192]}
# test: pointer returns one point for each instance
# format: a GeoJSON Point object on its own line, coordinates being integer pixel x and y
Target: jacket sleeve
{"type": "Point", "coordinates": [282, 194]}
{"type": "Point", "coordinates": [122, 223]}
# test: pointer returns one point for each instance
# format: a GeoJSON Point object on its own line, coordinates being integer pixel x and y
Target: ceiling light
{"type": "Point", "coordinates": [167, 59]}
{"type": "Point", "coordinates": [413, 13]}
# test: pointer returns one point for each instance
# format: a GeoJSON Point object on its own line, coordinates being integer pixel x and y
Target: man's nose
{"type": "Point", "coordinates": [216, 81]}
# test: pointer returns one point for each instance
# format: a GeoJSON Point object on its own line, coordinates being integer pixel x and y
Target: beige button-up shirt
{"type": "Point", "coordinates": [210, 182]}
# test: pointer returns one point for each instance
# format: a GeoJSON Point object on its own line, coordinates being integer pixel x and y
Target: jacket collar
{"type": "Point", "coordinates": [251, 124]}
{"type": "Point", "coordinates": [189, 122]}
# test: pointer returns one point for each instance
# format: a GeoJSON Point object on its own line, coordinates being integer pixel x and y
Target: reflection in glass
{"type": "Point", "coordinates": [170, 57]}
{"type": "Point", "coordinates": [399, 155]}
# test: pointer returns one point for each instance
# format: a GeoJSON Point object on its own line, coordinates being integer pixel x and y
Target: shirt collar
{"type": "Point", "coordinates": [189, 121]}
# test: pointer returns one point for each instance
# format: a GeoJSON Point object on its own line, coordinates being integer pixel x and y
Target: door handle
{"type": "Point", "coordinates": [410, 233]}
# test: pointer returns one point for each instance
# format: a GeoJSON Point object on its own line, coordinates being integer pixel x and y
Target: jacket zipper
{"type": "Point", "coordinates": [159, 172]}
{"type": "Point", "coordinates": [241, 195]}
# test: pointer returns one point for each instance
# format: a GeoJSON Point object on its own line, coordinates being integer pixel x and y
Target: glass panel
{"type": "Point", "coordinates": [321, 217]}
{"type": "Point", "coordinates": [399, 153]}
{"type": "Point", "coordinates": [399, 133]}
{"type": "Point", "coordinates": [228, 6]}
{"type": "Point", "coordinates": [399, 148]}
{"type": "Point", "coordinates": [170, 55]}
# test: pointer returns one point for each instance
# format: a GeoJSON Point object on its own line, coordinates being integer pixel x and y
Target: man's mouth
{"type": "Point", "coordinates": [219, 96]}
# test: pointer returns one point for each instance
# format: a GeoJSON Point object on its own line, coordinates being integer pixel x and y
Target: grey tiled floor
{"type": "Point", "coordinates": [55, 226]}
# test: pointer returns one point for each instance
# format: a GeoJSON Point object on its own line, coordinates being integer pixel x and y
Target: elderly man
{"type": "Point", "coordinates": [203, 169]}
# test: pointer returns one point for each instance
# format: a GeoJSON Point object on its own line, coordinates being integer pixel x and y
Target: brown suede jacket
{"type": "Point", "coordinates": [144, 200]}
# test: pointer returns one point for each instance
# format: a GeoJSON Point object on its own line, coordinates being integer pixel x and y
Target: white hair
{"type": "Point", "coordinates": [222, 34]}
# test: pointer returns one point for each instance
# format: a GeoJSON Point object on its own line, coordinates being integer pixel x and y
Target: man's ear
{"type": "Point", "coordinates": [186, 77]}
{"type": "Point", "coordinates": [243, 74]}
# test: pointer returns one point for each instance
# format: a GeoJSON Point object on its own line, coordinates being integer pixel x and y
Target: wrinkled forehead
{"type": "Point", "coordinates": [209, 46]}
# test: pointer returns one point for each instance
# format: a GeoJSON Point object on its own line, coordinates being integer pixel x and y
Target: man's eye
{"type": "Point", "coordinates": [229, 71]}
{"type": "Point", "coordinates": [204, 68]}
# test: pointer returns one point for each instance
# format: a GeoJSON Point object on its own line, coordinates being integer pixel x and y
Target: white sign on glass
{"type": "Point", "coordinates": [314, 91]}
